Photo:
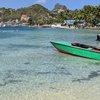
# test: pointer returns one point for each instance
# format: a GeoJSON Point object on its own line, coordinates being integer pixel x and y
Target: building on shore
{"type": "Point", "coordinates": [98, 24]}
{"type": "Point", "coordinates": [24, 18]}
{"type": "Point", "coordinates": [75, 23]}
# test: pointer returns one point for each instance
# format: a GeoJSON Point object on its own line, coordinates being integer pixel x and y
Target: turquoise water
{"type": "Point", "coordinates": [29, 62]}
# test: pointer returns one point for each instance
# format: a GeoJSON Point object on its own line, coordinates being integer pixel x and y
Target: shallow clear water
{"type": "Point", "coordinates": [29, 62]}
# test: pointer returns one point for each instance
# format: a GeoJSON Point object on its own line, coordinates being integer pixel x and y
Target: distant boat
{"type": "Point", "coordinates": [78, 49]}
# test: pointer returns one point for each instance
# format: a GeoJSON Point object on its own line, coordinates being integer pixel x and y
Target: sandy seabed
{"type": "Point", "coordinates": [83, 92]}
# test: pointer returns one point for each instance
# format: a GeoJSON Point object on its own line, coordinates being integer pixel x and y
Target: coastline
{"type": "Point", "coordinates": [54, 26]}
{"type": "Point", "coordinates": [64, 27]}
{"type": "Point", "coordinates": [93, 28]}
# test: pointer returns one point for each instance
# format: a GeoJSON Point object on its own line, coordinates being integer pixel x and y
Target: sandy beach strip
{"type": "Point", "coordinates": [91, 92]}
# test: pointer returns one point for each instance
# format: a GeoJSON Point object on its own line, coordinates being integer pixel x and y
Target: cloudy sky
{"type": "Point", "coordinates": [70, 4]}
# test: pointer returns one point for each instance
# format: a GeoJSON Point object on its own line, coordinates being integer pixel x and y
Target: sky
{"type": "Point", "coordinates": [49, 4]}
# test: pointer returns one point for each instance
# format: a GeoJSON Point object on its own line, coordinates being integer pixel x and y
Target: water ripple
{"type": "Point", "coordinates": [9, 35]}
{"type": "Point", "coordinates": [93, 74]}
{"type": "Point", "coordinates": [6, 82]}
{"type": "Point", "coordinates": [12, 46]}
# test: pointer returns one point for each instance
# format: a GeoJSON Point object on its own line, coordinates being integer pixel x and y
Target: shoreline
{"type": "Point", "coordinates": [83, 93]}
{"type": "Point", "coordinates": [53, 26]}
{"type": "Point", "coordinates": [64, 27]}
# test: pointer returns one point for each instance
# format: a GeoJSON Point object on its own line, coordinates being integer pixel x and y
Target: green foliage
{"type": "Point", "coordinates": [40, 15]}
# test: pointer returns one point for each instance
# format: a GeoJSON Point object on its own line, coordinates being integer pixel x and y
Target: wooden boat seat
{"type": "Point", "coordinates": [89, 48]}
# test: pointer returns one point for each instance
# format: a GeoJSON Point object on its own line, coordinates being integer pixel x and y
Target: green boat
{"type": "Point", "coordinates": [78, 49]}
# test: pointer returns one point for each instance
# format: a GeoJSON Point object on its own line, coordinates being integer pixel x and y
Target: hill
{"type": "Point", "coordinates": [38, 14]}
{"type": "Point", "coordinates": [59, 8]}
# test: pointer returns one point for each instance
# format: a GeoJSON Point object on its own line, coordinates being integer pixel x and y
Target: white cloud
{"type": "Point", "coordinates": [41, 1]}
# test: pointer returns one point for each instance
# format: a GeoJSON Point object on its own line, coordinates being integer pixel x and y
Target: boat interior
{"type": "Point", "coordinates": [86, 46]}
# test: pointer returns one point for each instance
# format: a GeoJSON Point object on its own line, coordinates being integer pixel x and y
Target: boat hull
{"type": "Point", "coordinates": [67, 48]}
